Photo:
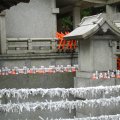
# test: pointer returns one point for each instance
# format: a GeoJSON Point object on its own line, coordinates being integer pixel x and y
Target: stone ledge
{"type": "Point", "coordinates": [38, 56]}
{"type": "Point", "coordinates": [87, 82]}
{"type": "Point", "coordinates": [84, 74]}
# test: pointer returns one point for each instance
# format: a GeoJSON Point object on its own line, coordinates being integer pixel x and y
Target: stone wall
{"type": "Point", "coordinates": [35, 19]}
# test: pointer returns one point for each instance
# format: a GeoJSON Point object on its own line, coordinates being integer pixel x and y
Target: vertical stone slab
{"type": "Point", "coordinates": [3, 47]}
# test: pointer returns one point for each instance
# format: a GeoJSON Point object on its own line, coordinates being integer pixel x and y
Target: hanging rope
{"type": "Point", "coordinates": [88, 92]}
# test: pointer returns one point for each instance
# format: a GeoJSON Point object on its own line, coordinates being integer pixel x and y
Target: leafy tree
{"type": "Point", "coordinates": [67, 23]}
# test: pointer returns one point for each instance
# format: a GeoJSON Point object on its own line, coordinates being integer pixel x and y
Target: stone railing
{"type": "Point", "coordinates": [31, 45]}
{"type": "Point", "coordinates": [37, 45]}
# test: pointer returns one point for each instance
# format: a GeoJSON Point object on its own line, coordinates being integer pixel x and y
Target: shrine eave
{"type": "Point", "coordinates": [91, 25]}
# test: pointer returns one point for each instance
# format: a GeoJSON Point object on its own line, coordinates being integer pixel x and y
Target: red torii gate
{"type": "Point", "coordinates": [64, 45]}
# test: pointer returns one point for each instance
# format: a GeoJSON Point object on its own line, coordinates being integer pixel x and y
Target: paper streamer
{"type": "Point", "coordinates": [55, 106]}
{"type": "Point", "coordinates": [91, 92]}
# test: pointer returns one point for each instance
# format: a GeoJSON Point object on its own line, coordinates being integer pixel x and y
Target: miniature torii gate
{"type": "Point", "coordinates": [96, 36]}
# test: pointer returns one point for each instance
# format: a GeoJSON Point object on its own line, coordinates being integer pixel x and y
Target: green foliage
{"type": "Point", "coordinates": [67, 23]}
{"type": "Point", "coordinates": [86, 12]}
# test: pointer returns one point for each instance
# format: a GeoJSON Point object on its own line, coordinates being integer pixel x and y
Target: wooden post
{"type": "Point", "coordinates": [3, 46]}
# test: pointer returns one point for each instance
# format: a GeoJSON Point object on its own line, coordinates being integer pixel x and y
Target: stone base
{"type": "Point", "coordinates": [84, 79]}
{"type": "Point", "coordinates": [87, 82]}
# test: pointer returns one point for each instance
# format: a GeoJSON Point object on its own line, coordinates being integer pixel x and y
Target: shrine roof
{"type": "Point", "coordinates": [91, 25]}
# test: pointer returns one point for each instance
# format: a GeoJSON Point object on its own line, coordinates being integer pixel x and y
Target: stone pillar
{"type": "Point", "coordinates": [55, 11]}
{"type": "Point", "coordinates": [111, 10]}
{"type": "Point", "coordinates": [3, 46]}
{"type": "Point", "coordinates": [76, 16]}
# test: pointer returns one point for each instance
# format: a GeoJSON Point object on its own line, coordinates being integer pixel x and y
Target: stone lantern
{"type": "Point", "coordinates": [97, 36]}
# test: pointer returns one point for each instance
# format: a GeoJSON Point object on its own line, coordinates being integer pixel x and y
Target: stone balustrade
{"type": "Point", "coordinates": [31, 45]}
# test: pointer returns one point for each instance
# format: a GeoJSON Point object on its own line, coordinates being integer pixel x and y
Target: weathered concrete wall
{"type": "Point", "coordinates": [34, 19]}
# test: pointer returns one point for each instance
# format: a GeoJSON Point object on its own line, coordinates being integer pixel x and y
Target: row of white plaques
{"type": "Point", "coordinates": [38, 70]}
{"type": "Point", "coordinates": [106, 75]}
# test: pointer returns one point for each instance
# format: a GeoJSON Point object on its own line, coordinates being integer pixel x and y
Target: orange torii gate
{"type": "Point", "coordinates": [64, 45]}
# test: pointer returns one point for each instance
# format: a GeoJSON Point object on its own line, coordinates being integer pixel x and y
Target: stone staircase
{"type": "Point", "coordinates": [91, 103]}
